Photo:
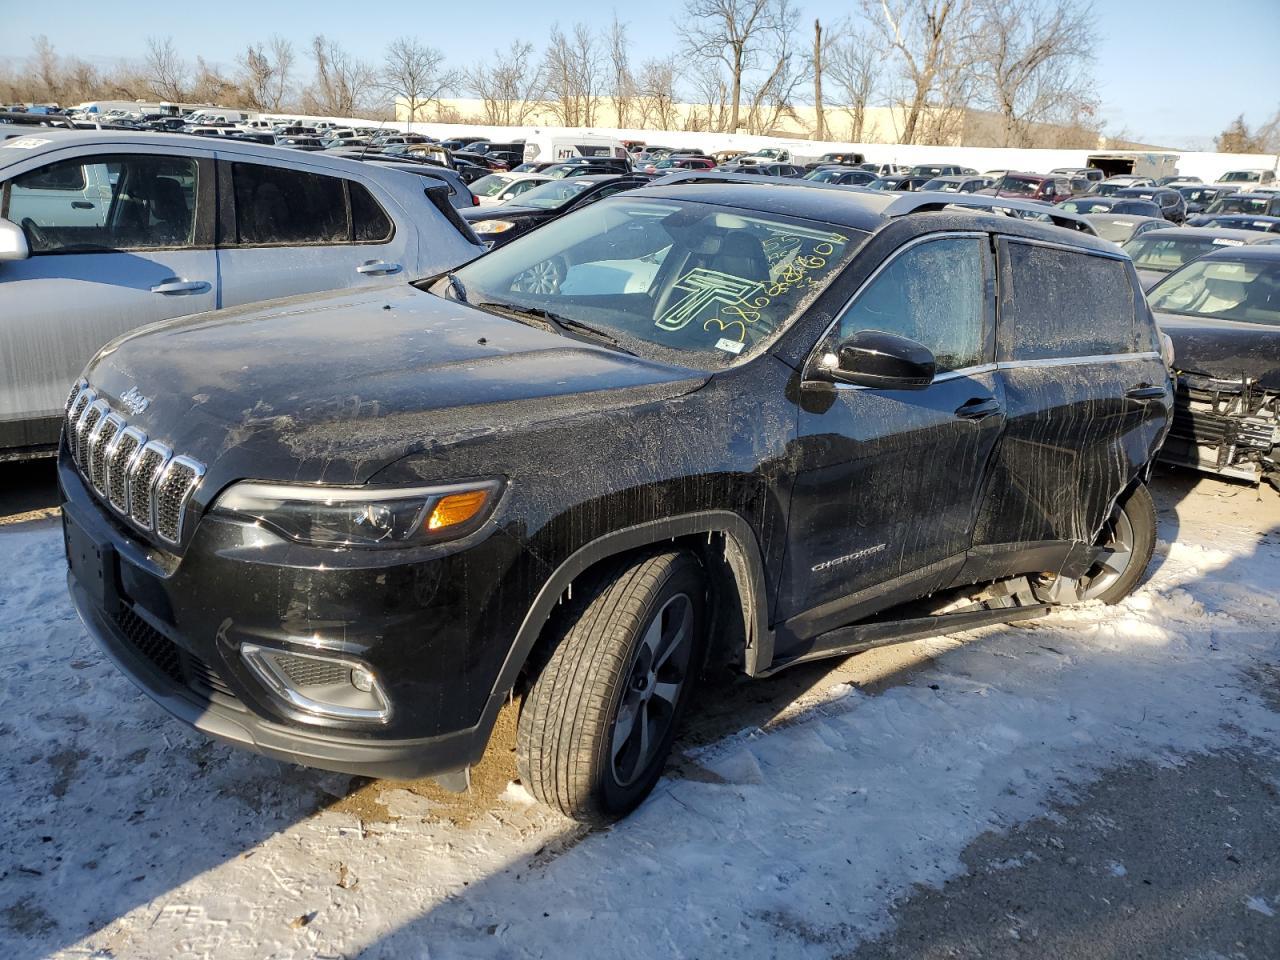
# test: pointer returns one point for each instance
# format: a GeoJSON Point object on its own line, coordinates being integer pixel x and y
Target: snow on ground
{"type": "Point", "coordinates": [130, 836]}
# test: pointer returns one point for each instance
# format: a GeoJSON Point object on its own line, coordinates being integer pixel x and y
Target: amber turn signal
{"type": "Point", "coordinates": [456, 508]}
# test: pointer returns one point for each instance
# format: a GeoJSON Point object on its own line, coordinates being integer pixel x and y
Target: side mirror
{"type": "Point", "coordinates": [873, 358]}
{"type": "Point", "coordinates": [13, 242]}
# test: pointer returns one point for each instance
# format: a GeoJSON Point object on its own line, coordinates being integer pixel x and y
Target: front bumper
{"type": "Point", "coordinates": [432, 628]}
{"type": "Point", "coordinates": [1227, 428]}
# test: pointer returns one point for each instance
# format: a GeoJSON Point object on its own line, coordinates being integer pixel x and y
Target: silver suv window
{"type": "Point", "coordinates": [95, 203]}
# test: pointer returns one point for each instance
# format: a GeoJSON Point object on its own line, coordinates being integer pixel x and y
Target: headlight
{"type": "Point", "coordinates": [492, 226]}
{"type": "Point", "coordinates": [363, 517]}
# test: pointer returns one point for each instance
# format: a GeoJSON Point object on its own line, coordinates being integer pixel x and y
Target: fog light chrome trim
{"type": "Point", "coordinates": [265, 662]}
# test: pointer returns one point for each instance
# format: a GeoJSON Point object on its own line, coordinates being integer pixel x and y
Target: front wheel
{"type": "Point", "coordinates": [597, 725]}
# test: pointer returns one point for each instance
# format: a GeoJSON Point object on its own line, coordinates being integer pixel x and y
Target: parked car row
{"type": "Point", "coordinates": [334, 527]}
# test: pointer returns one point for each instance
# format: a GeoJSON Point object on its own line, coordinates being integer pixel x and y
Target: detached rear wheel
{"type": "Point", "coordinates": [1126, 545]}
{"type": "Point", "coordinates": [596, 728]}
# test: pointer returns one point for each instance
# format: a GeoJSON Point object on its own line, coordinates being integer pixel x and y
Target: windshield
{"type": "Point", "coordinates": [684, 282]}
{"type": "Point", "coordinates": [549, 196]}
{"type": "Point", "coordinates": [1254, 205]}
{"type": "Point", "coordinates": [884, 183]}
{"type": "Point", "coordinates": [1018, 186]}
{"type": "Point", "coordinates": [491, 185]}
{"type": "Point", "coordinates": [946, 186]}
{"type": "Point", "coordinates": [1109, 189]}
{"type": "Point", "coordinates": [1246, 291]}
{"type": "Point", "coordinates": [1198, 194]}
{"type": "Point", "coordinates": [1117, 231]}
{"type": "Point", "coordinates": [1085, 206]}
{"type": "Point", "coordinates": [1167, 254]}
{"type": "Point", "coordinates": [1241, 176]}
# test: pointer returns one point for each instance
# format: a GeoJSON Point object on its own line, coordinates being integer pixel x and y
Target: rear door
{"type": "Point", "coordinates": [1083, 386]}
{"type": "Point", "coordinates": [285, 231]}
{"type": "Point", "coordinates": [888, 481]}
{"type": "Point", "coordinates": [117, 240]}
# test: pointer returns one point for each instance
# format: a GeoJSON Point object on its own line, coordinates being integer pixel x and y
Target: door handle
{"type": "Point", "coordinates": [378, 267]}
{"type": "Point", "coordinates": [81, 205]}
{"type": "Point", "coordinates": [175, 286]}
{"type": "Point", "coordinates": [978, 407]}
{"type": "Point", "coordinates": [1144, 391]}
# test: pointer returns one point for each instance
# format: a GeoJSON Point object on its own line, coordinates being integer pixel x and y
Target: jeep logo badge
{"type": "Point", "coordinates": [134, 401]}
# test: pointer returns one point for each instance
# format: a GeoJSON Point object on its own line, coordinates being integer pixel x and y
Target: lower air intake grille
{"type": "Point", "coordinates": [306, 672]}
{"type": "Point", "coordinates": [167, 657]}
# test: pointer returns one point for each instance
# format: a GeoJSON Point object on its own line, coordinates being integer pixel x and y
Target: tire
{"type": "Point", "coordinates": [597, 725]}
{"type": "Point", "coordinates": [1130, 535]}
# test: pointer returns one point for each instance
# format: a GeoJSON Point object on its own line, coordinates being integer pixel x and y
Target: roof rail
{"type": "Point", "coordinates": [924, 202]}
{"type": "Point", "coordinates": [897, 204]}
{"type": "Point", "coordinates": [36, 119]}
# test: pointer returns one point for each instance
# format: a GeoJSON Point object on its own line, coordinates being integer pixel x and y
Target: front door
{"type": "Point", "coordinates": [117, 241]}
{"type": "Point", "coordinates": [888, 481]}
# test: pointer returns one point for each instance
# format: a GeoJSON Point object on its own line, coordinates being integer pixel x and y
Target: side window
{"type": "Point", "coordinates": [933, 293]}
{"type": "Point", "coordinates": [369, 222]}
{"type": "Point", "coordinates": [279, 206]}
{"type": "Point", "coordinates": [1058, 303]}
{"type": "Point", "coordinates": [103, 203]}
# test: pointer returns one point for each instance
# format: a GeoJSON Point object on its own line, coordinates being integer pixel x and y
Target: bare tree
{"type": "Point", "coordinates": [655, 94]}
{"type": "Point", "coordinates": [1238, 138]}
{"type": "Point", "coordinates": [281, 54]}
{"type": "Point", "coordinates": [256, 75]}
{"type": "Point", "coordinates": [712, 90]}
{"type": "Point", "coordinates": [414, 74]}
{"type": "Point", "coordinates": [166, 71]}
{"type": "Point", "coordinates": [45, 69]}
{"type": "Point", "coordinates": [511, 90]}
{"type": "Point", "coordinates": [853, 63]}
{"type": "Point", "coordinates": [932, 41]}
{"type": "Point", "coordinates": [622, 87]}
{"type": "Point", "coordinates": [342, 82]}
{"type": "Point", "coordinates": [209, 84]}
{"type": "Point", "coordinates": [771, 94]}
{"type": "Point", "coordinates": [1032, 55]}
{"type": "Point", "coordinates": [571, 66]}
{"type": "Point", "coordinates": [819, 59]}
{"type": "Point", "coordinates": [729, 31]}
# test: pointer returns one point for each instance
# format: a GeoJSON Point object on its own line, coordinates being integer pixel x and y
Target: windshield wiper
{"type": "Point", "coordinates": [459, 291]}
{"type": "Point", "coordinates": [566, 326]}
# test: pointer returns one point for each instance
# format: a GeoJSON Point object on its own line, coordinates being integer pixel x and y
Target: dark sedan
{"type": "Point", "coordinates": [1200, 196]}
{"type": "Point", "coordinates": [500, 225]}
{"type": "Point", "coordinates": [1160, 252]}
{"type": "Point", "coordinates": [899, 183]}
{"type": "Point", "coordinates": [1241, 222]}
{"type": "Point", "coordinates": [840, 175]}
{"type": "Point", "coordinates": [1223, 314]}
{"type": "Point", "coordinates": [1173, 207]}
{"type": "Point", "coordinates": [1248, 204]}
{"type": "Point", "coordinates": [1125, 205]}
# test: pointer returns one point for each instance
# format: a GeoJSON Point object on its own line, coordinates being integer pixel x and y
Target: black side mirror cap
{"type": "Point", "coordinates": [873, 358]}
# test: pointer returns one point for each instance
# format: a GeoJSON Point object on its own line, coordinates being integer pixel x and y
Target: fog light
{"type": "Point", "coordinates": [322, 686]}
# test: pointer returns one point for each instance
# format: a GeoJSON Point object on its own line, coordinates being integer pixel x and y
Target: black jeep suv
{"type": "Point", "coordinates": [755, 423]}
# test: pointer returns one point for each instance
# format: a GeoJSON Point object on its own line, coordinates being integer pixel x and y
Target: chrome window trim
{"type": "Point", "coordinates": [181, 460]}
{"type": "Point", "coordinates": [888, 261]}
{"type": "Point", "coordinates": [1078, 361]}
{"type": "Point", "coordinates": [112, 450]}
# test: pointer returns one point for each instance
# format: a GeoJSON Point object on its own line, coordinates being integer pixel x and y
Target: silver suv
{"type": "Point", "coordinates": [103, 231]}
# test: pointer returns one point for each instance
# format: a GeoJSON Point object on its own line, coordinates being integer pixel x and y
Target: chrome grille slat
{"type": "Point", "coordinates": [99, 440]}
{"type": "Point", "coordinates": [139, 478]}
{"type": "Point", "coordinates": [119, 459]}
{"type": "Point", "coordinates": [142, 478]}
{"type": "Point", "coordinates": [84, 429]}
{"type": "Point", "coordinates": [173, 490]}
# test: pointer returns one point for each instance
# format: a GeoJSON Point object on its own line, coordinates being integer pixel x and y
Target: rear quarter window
{"type": "Point", "coordinates": [1057, 304]}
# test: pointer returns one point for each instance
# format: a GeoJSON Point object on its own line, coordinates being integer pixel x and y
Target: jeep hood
{"type": "Point", "coordinates": [1224, 349]}
{"type": "Point", "coordinates": [332, 387]}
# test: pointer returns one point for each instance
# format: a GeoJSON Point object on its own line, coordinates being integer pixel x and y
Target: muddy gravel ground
{"type": "Point", "coordinates": [1104, 783]}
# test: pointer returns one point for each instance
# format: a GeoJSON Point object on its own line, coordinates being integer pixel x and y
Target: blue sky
{"type": "Point", "coordinates": [1169, 71]}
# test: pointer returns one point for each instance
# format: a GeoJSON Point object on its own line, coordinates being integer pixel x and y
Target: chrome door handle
{"type": "Point", "coordinates": [1144, 391]}
{"type": "Point", "coordinates": [174, 285]}
{"type": "Point", "coordinates": [378, 267]}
